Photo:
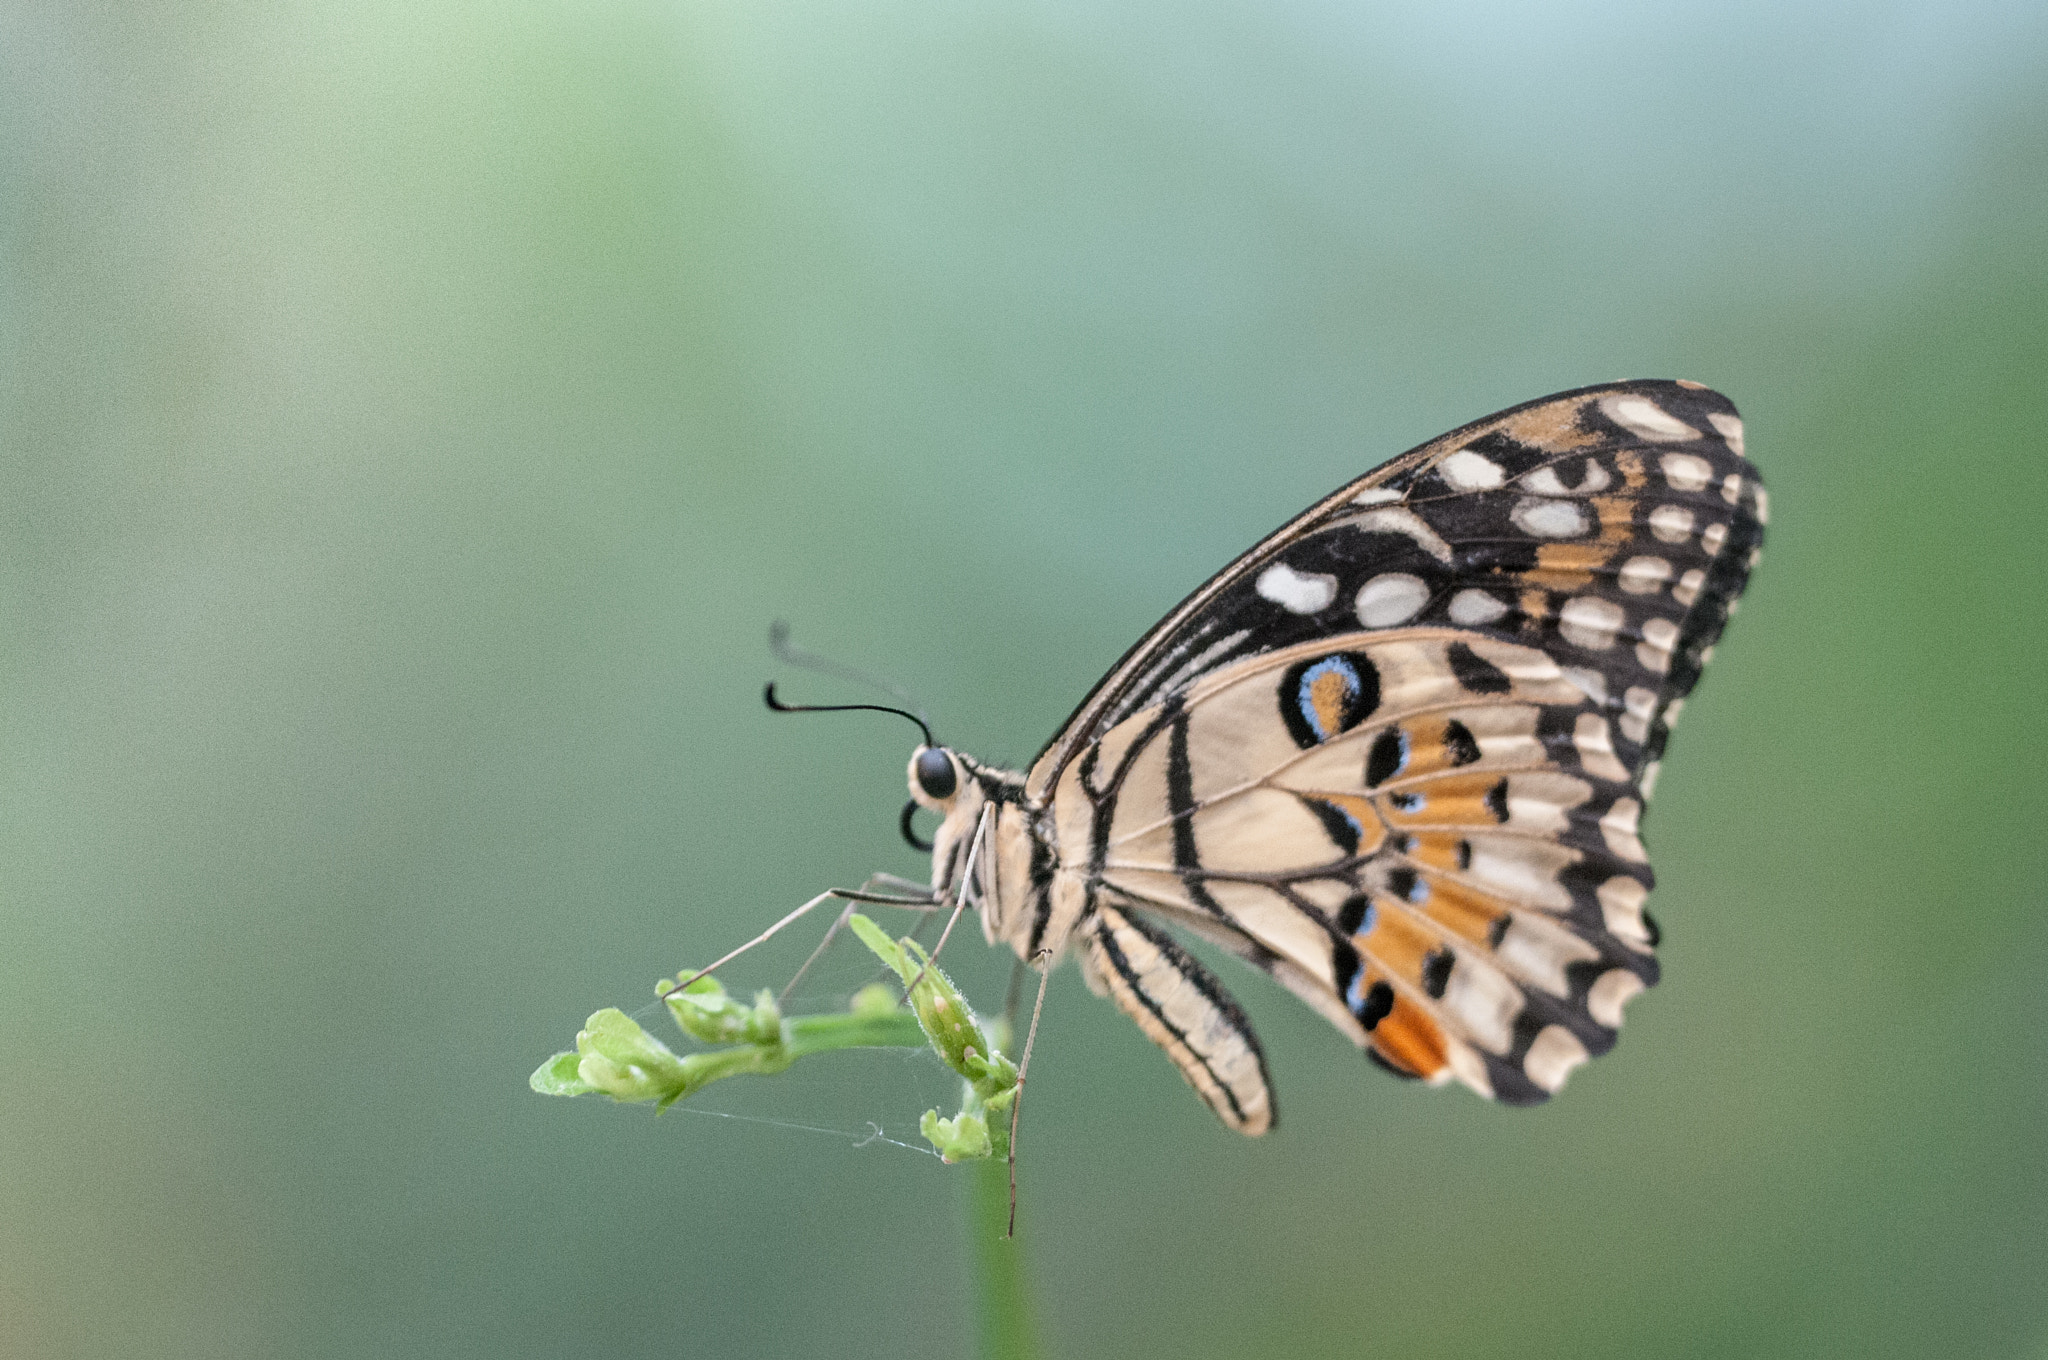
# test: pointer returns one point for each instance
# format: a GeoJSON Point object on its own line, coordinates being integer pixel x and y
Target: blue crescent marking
{"type": "Point", "coordinates": [1306, 704]}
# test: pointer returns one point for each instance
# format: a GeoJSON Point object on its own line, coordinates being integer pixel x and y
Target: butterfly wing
{"type": "Point", "coordinates": [1396, 753]}
{"type": "Point", "coordinates": [1536, 524]}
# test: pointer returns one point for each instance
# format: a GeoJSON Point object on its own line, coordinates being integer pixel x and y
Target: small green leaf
{"type": "Point", "coordinates": [877, 939]}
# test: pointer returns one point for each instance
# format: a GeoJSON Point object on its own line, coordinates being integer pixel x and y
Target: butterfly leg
{"type": "Point", "coordinates": [1043, 962]}
{"type": "Point", "coordinates": [981, 829]}
{"type": "Point", "coordinates": [896, 883]}
{"type": "Point", "coordinates": [922, 901]}
{"type": "Point", "coordinates": [843, 894]}
{"type": "Point", "coordinates": [782, 997]}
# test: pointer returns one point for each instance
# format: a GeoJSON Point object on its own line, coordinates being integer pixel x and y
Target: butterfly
{"type": "Point", "coordinates": [1395, 755]}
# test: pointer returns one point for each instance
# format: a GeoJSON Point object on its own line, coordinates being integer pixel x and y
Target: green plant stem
{"type": "Point", "coordinates": [1003, 1320]}
{"type": "Point", "coordinates": [810, 1034]}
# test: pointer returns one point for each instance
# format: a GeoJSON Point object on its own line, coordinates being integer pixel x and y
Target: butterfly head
{"type": "Point", "coordinates": [941, 783]}
{"type": "Point", "coordinates": [962, 791]}
{"type": "Point", "coordinates": [934, 778]}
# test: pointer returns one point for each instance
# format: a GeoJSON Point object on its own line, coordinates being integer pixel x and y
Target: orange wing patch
{"type": "Point", "coordinates": [1477, 800]}
{"type": "Point", "coordinates": [1328, 694]}
{"type": "Point", "coordinates": [1410, 1041]}
{"type": "Point", "coordinates": [1464, 911]}
{"type": "Point", "coordinates": [1397, 942]}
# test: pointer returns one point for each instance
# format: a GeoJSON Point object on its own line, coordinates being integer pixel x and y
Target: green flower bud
{"type": "Point", "coordinates": [706, 1012]}
{"type": "Point", "coordinates": [624, 1061]}
{"type": "Point", "coordinates": [960, 1139]}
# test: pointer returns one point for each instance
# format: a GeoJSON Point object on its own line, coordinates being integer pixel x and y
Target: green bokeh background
{"type": "Point", "coordinates": [413, 415]}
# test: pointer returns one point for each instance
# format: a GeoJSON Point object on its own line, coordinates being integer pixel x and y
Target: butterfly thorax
{"type": "Point", "coordinates": [1013, 867]}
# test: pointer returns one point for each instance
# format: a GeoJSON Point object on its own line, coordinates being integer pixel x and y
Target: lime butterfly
{"type": "Point", "coordinates": [1395, 755]}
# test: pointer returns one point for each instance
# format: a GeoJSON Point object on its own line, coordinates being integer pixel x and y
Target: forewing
{"type": "Point", "coordinates": [1612, 527]}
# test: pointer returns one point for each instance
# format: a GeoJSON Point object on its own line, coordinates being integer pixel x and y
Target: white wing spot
{"type": "Point", "coordinates": [1540, 950]}
{"type": "Point", "coordinates": [1596, 748]}
{"type": "Point", "coordinates": [1469, 471]}
{"type": "Point", "coordinates": [1485, 1003]}
{"type": "Point", "coordinates": [1545, 482]}
{"type": "Point", "coordinates": [1590, 621]}
{"type": "Point", "coordinates": [1376, 495]}
{"type": "Point", "coordinates": [1763, 506]}
{"type": "Point", "coordinates": [1654, 651]}
{"type": "Point", "coordinates": [1590, 682]}
{"type": "Point", "coordinates": [1408, 524]}
{"type": "Point", "coordinates": [1521, 868]}
{"type": "Point", "coordinates": [1297, 592]}
{"type": "Point", "coordinates": [1621, 910]}
{"type": "Point", "coordinates": [1686, 471]}
{"type": "Point", "coordinates": [1609, 993]}
{"type": "Point", "coordinates": [1688, 588]}
{"type": "Point", "coordinates": [1553, 1056]}
{"type": "Point", "coordinates": [1648, 782]}
{"type": "Point", "coordinates": [1643, 417]}
{"type": "Point", "coordinates": [1729, 428]}
{"type": "Point", "coordinates": [1644, 575]}
{"type": "Point", "coordinates": [1637, 703]}
{"type": "Point", "coordinates": [1618, 829]}
{"type": "Point", "coordinates": [1731, 487]}
{"type": "Point", "coordinates": [1391, 598]}
{"type": "Point", "coordinates": [1671, 523]}
{"type": "Point", "coordinates": [1712, 537]}
{"type": "Point", "coordinates": [1543, 802]}
{"type": "Point", "coordinates": [1548, 518]}
{"type": "Point", "coordinates": [1472, 607]}
{"type": "Point", "coordinates": [1671, 712]}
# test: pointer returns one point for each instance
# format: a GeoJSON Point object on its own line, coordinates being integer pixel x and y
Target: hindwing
{"type": "Point", "coordinates": [1425, 833]}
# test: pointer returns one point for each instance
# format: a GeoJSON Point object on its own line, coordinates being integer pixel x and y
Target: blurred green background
{"type": "Point", "coordinates": [414, 414]}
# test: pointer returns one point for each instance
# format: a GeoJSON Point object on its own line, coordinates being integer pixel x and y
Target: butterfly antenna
{"type": "Point", "coordinates": [789, 654]}
{"type": "Point", "coordinates": [768, 694]}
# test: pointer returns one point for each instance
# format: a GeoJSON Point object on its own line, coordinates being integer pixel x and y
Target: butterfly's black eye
{"type": "Point", "coordinates": [934, 769]}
